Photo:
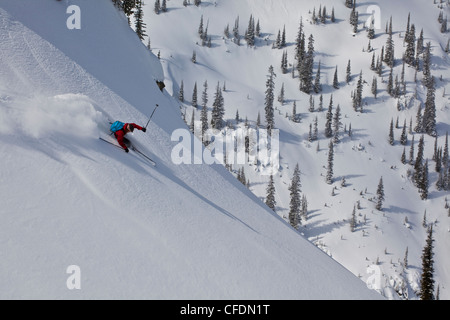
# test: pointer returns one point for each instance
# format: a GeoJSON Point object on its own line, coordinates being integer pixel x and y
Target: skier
{"type": "Point", "coordinates": [120, 133]}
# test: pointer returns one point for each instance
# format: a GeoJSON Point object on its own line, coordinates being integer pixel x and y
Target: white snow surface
{"type": "Point", "coordinates": [382, 237]}
{"type": "Point", "coordinates": [135, 232]}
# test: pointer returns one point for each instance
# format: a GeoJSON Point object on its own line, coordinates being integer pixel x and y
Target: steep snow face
{"type": "Point", "coordinates": [130, 230]}
{"type": "Point", "coordinates": [381, 237]}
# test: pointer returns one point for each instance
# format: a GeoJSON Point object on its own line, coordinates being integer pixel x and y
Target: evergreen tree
{"type": "Point", "coordinates": [405, 259]}
{"type": "Point", "coordinates": [117, 3]}
{"type": "Point", "coordinates": [379, 67]}
{"type": "Point", "coordinates": [204, 112]}
{"type": "Point", "coordinates": [315, 130]}
{"type": "Point", "coordinates": [380, 195]}
{"type": "Point", "coordinates": [357, 98]}
{"type": "Point", "coordinates": [304, 208]}
{"type": "Point", "coordinates": [226, 31]}
{"type": "Point", "coordinates": [317, 85]}
{"type": "Point", "coordinates": [402, 81]}
{"type": "Point", "coordinates": [310, 135]}
{"type": "Point", "coordinates": [194, 96]}
{"type": "Point", "coordinates": [444, 25]}
{"type": "Point", "coordinates": [157, 8]}
{"type": "Point", "coordinates": [181, 92]}
{"type": "Point", "coordinates": [427, 278]}
{"type": "Point", "coordinates": [205, 94]}
{"type": "Point", "coordinates": [410, 39]}
{"type": "Point", "coordinates": [419, 123]}
{"type": "Point", "coordinates": [270, 194]}
{"type": "Point", "coordinates": [418, 164]}
{"type": "Point", "coordinates": [127, 7]}
{"type": "Point", "coordinates": [236, 36]}
{"type": "Point", "coordinates": [427, 65]}
{"type": "Point", "coordinates": [411, 151]}
{"type": "Point", "coordinates": [270, 86]}
{"type": "Point", "coordinates": [200, 27]}
{"type": "Point", "coordinates": [306, 67]}
{"type": "Point", "coordinates": [192, 124]}
{"type": "Point", "coordinates": [329, 176]}
{"type": "Point", "coordinates": [389, 51]}
{"type": "Point", "coordinates": [283, 38]}
{"type": "Point", "coordinates": [372, 64]}
{"type": "Point", "coordinates": [440, 17]}
{"type": "Point", "coordinates": [337, 124]}
{"type": "Point", "coordinates": [404, 136]}
{"type": "Point", "coordinates": [257, 29]}
{"type": "Point", "coordinates": [320, 109]}
{"type": "Point", "coordinates": [419, 48]}
{"type": "Point", "coordinates": [300, 44]}
{"type": "Point", "coordinates": [295, 202]}
{"type": "Point", "coordinates": [354, 19]}
{"type": "Point", "coordinates": [390, 85]}
{"type": "Point", "coordinates": [204, 121]}
{"type": "Point", "coordinates": [374, 87]}
{"type": "Point", "coordinates": [403, 157]}
{"type": "Point", "coordinates": [353, 220]}
{"type": "Point", "coordinates": [295, 117]}
{"type": "Point", "coordinates": [445, 157]}
{"type": "Point", "coordinates": [371, 29]}
{"type": "Point", "coordinates": [250, 33]}
{"type": "Point", "coordinates": [348, 77]}
{"type": "Point", "coordinates": [281, 95]}
{"type": "Point", "coordinates": [311, 103]}
{"type": "Point", "coordinates": [324, 15]}
{"type": "Point", "coordinates": [429, 115]}
{"type": "Point", "coordinates": [391, 133]}
{"type": "Point", "coordinates": [139, 20]}
{"type": "Point", "coordinates": [335, 79]}
{"type": "Point", "coordinates": [329, 122]}
{"type": "Point", "coordinates": [284, 62]}
{"type": "Point", "coordinates": [424, 182]}
{"type": "Point", "coordinates": [218, 110]}
{"type": "Point", "coordinates": [277, 43]}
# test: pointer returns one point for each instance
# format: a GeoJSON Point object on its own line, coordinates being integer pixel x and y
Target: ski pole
{"type": "Point", "coordinates": [151, 116]}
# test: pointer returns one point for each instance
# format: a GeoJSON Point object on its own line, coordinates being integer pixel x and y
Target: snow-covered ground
{"type": "Point", "coordinates": [381, 236]}
{"type": "Point", "coordinates": [131, 230]}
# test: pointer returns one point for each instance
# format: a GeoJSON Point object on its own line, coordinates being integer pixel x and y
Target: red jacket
{"type": "Point", "coordinates": [120, 134]}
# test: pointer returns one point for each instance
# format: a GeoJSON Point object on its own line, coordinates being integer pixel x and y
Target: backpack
{"type": "Point", "coordinates": [116, 126]}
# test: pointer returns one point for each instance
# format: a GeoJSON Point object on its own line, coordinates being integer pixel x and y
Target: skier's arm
{"type": "Point", "coordinates": [138, 127]}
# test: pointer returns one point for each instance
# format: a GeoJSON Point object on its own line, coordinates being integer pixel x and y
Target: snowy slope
{"type": "Point", "coordinates": [362, 159]}
{"type": "Point", "coordinates": [171, 232]}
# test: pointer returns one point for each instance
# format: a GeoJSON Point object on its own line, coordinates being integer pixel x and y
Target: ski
{"type": "Point", "coordinates": [153, 163]}
{"type": "Point", "coordinates": [144, 155]}
{"type": "Point", "coordinates": [115, 145]}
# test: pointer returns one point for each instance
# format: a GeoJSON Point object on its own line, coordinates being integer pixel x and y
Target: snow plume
{"type": "Point", "coordinates": [43, 117]}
